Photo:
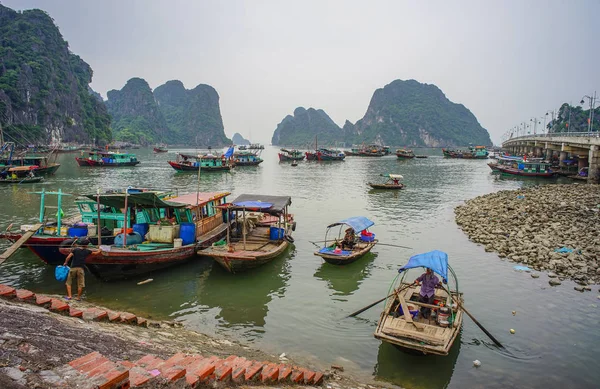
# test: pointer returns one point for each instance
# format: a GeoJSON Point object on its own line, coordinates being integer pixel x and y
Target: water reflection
{"type": "Point", "coordinates": [414, 370]}
{"type": "Point", "coordinates": [345, 280]}
{"type": "Point", "coordinates": [239, 300]}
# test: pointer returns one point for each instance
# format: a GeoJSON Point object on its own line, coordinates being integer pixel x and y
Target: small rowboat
{"type": "Point", "coordinates": [386, 186]}
{"type": "Point", "coordinates": [334, 254]}
{"type": "Point", "coordinates": [393, 182]}
{"type": "Point", "coordinates": [401, 324]}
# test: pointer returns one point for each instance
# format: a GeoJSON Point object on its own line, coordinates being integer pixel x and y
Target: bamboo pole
{"type": "Point", "coordinates": [126, 219]}
{"type": "Point", "coordinates": [244, 226]}
{"type": "Point", "coordinates": [98, 229]}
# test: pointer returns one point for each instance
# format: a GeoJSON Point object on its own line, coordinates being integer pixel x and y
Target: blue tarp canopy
{"type": "Point", "coordinates": [436, 260]}
{"type": "Point", "coordinates": [253, 204]}
{"type": "Point", "coordinates": [358, 223]}
{"type": "Point", "coordinates": [229, 152]}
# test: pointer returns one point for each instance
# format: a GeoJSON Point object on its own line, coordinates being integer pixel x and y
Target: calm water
{"type": "Point", "coordinates": [297, 304]}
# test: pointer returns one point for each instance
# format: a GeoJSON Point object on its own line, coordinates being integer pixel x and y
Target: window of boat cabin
{"type": "Point", "coordinates": [183, 215]}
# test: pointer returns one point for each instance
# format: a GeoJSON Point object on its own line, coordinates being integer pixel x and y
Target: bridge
{"type": "Point", "coordinates": [584, 145]}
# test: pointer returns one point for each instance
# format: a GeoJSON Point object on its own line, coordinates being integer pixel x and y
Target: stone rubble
{"type": "Point", "coordinates": [532, 225]}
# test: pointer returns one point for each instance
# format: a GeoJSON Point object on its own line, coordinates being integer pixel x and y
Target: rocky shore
{"type": "Point", "coordinates": [554, 228]}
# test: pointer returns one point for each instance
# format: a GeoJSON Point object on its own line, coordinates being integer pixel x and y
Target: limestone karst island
{"type": "Point", "coordinates": [267, 194]}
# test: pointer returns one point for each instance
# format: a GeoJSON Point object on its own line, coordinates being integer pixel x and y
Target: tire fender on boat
{"type": "Point", "coordinates": [289, 238]}
{"type": "Point", "coordinates": [294, 226]}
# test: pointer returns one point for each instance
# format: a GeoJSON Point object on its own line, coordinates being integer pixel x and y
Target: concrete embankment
{"type": "Point", "coordinates": [554, 228]}
{"type": "Point", "coordinates": [46, 342]}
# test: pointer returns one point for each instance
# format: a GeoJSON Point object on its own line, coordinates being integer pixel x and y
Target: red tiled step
{"type": "Point", "coordinates": [95, 314]}
{"type": "Point", "coordinates": [113, 316]}
{"type": "Point", "coordinates": [140, 321]}
{"type": "Point", "coordinates": [297, 376]}
{"type": "Point", "coordinates": [7, 291]}
{"type": "Point", "coordinates": [58, 305]}
{"type": "Point", "coordinates": [117, 377]}
{"type": "Point", "coordinates": [269, 373]}
{"type": "Point", "coordinates": [24, 294]}
{"type": "Point", "coordinates": [239, 371]}
{"type": "Point", "coordinates": [173, 361]}
{"type": "Point", "coordinates": [127, 317]}
{"type": "Point", "coordinates": [253, 370]}
{"type": "Point", "coordinates": [74, 312]}
{"type": "Point", "coordinates": [149, 362]}
{"type": "Point", "coordinates": [42, 300]}
{"type": "Point", "coordinates": [285, 372]}
{"type": "Point", "coordinates": [138, 376]}
{"type": "Point", "coordinates": [318, 380]}
{"type": "Point", "coordinates": [309, 375]}
{"type": "Point", "coordinates": [85, 359]}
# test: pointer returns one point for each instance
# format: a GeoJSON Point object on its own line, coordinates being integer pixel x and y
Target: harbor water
{"type": "Point", "coordinates": [297, 304]}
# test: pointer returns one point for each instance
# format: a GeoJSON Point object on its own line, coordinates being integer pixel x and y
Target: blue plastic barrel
{"type": "Point", "coordinates": [77, 231]}
{"type": "Point", "coordinates": [141, 228]}
{"type": "Point", "coordinates": [187, 233]}
{"type": "Point", "coordinates": [132, 238]}
{"type": "Point", "coordinates": [276, 233]}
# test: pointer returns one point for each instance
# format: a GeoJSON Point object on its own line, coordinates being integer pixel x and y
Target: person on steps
{"type": "Point", "coordinates": [77, 258]}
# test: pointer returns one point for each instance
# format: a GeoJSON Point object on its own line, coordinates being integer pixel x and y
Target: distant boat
{"type": "Point", "coordinates": [256, 146]}
{"type": "Point", "coordinates": [474, 152]}
{"type": "Point", "coordinates": [208, 163]}
{"type": "Point", "coordinates": [393, 182]}
{"type": "Point", "coordinates": [246, 158]}
{"type": "Point", "coordinates": [161, 149]}
{"type": "Point", "coordinates": [108, 159]}
{"type": "Point", "coordinates": [405, 154]}
{"type": "Point", "coordinates": [290, 155]}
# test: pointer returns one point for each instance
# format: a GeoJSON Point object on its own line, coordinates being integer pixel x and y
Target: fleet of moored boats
{"type": "Point", "coordinates": [140, 230]}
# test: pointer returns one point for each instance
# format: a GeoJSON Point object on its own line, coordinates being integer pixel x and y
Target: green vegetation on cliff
{"type": "Point", "coordinates": [414, 114]}
{"type": "Point", "coordinates": [44, 88]}
{"type": "Point", "coordinates": [302, 128]}
{"type": "Point", "coordinates": [135, 114]}
{"type": "Point", "coordinates": [577, 117]}
{"type": "Point", "coordinates": [192, 116]}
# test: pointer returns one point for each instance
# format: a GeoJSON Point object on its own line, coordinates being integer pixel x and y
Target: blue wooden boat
{"type": "Point", "coordinates": [334, 251]}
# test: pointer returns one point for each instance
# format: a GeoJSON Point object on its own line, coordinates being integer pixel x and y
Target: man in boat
{"type": "Point", "coordinates": [428, 282]}
{"type": "Point", "coordinates": [78, 256]}
{"type": "Point", "coordinates": [348, 239]}
{"type": "Point", "coordinates": [395, 181]}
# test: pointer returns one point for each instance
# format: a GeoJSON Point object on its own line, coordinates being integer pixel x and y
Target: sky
{"type": "Point", "coordinates": [507, 61]}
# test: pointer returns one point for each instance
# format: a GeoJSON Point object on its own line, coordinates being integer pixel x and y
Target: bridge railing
{"type": "Point", "coordinates": [594, 134]}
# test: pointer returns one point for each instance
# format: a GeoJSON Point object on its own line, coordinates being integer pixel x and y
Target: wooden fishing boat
{"type": "Point", "coordinates": [405, 154]}
{"type": "Point", "coordinates": [366, 151]}
{"type": "Point", "coordinates": [208, 163]}
{"type": "Point", "coordinates": [393, 182]}
{"type": "Point", "coordinates": [18, 181]}
{"type": "Point", "coordinates": [401, 323]}
{"type": "Point", "coordinates": [54, 230]}
{"type": "Point", "coordinates": [527, 169]}
{"type": "Point", "coordinates": [334, 250]}
{"type": "Point", "coordinates": [290, 155]}
{"type": "Point", "coordinates": [262, 231]}
{"type": "Point", "coordinates": [44, 164]}
{"type": "Point", "coordinates": [107, 159]}
{"type": "Point", "coordinates": [474, 152]}
{"type": "Point", "coordinates": [246, 158]}
{"type": "Point", "coordinates": [176, 227]}
{"type": "Point", "coordinates": [420, 156]}
{"type": "Point", "coordinates": [161, 149]}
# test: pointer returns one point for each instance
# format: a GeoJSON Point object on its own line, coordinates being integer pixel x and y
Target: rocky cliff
{"type": "Point", "coordinates": [238, 139]}
{"type": "Point", "coordinates": [302, 128]}
{"type": "Point", "coordinates": [414, 114]}
{"type": "Point", "coordinates": [44, 88]}
{"type": "Point", "coordinates": [193, 116]}
{"type": "Point", "coordinates": [135, 114]}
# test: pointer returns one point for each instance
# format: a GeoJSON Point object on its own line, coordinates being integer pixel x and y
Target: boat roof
{"type": "Point", "coordinates": [109, 153]}
{"type": "Point", "coordinates": [392, 176]}
{"type": "Point", "coordinates": [199, 198]}
{"type": "Point", "coordinates": [265, 203]}
{"type": "Point", "coordinates": [23, 168]}
{"type": "Point", "coordinates": [141, 200]}
{"type": "Point", "coordinates": [435, 260]}
{"type": "Point", "coordinates": [358, 223]}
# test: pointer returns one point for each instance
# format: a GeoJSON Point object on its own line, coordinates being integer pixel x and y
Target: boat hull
{"type": "Point", "coordinates": [91, 163]}
{"type": "Point", "coordinates": [159, 150]}
{"type": "Point", "coordinates": [24, 180]}
{"type": "Point", "coordinates": [285, 158]}
{"type": "Point", "coordinates": [46, 247]}
{"type": "Point", "coordinates": [247, 163]}
{"type": "Point", "coordinates": [346, 259]}
{"type": "Point", "coordinates": [241, 260]}
{"type": "Point", "coordinates": [187, 168]}
{"type": "Point", "coordinates": [386, 186]}
{"type": "Point", "coordinates": [517, 172]}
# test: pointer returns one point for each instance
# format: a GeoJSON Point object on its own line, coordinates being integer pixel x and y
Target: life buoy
{"type": "Point", "coordinates": [289, 238]}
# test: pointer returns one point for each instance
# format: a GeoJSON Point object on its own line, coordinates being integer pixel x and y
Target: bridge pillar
{"type": "Point", "coordinates": [561, 159]}
{"type": "Point", "coordinates": [594, 165]}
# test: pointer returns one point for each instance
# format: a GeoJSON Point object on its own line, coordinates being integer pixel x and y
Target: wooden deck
{"type": "Point", "coordinates": [420, 334]}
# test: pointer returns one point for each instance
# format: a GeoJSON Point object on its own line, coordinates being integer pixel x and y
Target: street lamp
{"type": "Point", "coordinates": [592, 104]}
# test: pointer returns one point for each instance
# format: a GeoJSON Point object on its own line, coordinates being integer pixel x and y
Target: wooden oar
{"type": "Point", "coordinates": [376, 302]}
{"type": "Point", "coordinates": [475, 321]}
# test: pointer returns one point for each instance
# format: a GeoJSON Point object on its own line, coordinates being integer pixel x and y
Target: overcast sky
{"type": "Point", "coordinates": [506, 61]}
